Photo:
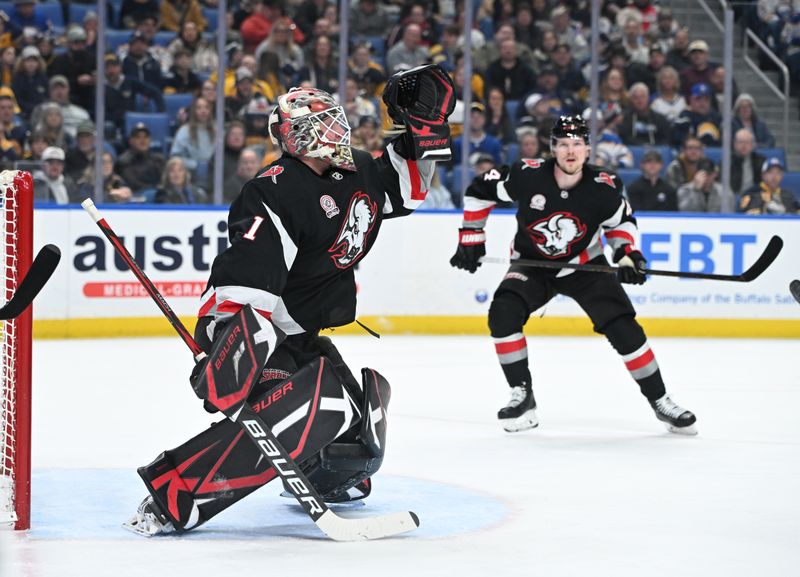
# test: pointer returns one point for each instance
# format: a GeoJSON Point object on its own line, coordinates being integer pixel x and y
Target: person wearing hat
{"type": "Point", "coordinates": [699, 69]}
{"type": "Point", "coordinates": [704, 193]}
{"type": "Point", "coordinates": [122, 90]}
{"type": "Point", "coordinates": [140, 64]}
{"type": "Point", "coordinates": [30, 82]}
{"type": "Point", "coordinates": [77, 65]}
{"type": "Point", "coordinates": [746, 116]}
{"type": "Point", "coordinates": [81, 155]}
{"type": "Point", "coordinates": [74, 115]}
{"type": "Point", "coordinates": [479, 141]}
{"type": "Point", "coordinates": [50, 184]}
{"type": "Point", "coordinates": [140, 166]}
{"type": "Point", "coordinates": [244, 93]}
{"type": "Point", "coordinates": [24, 14]}
{"type": "Point", "coordinates": [768, 197]}
{"type": "Point", "coordinates": [650, 191]}
{"type": "Point", "coordinates": [700, 119]}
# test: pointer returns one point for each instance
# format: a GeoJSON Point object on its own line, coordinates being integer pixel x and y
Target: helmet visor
{"type": "Point", "coordinates": [331, 127]}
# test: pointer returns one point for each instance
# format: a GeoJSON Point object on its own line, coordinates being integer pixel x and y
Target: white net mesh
{"type": "Point", "coordinates": [8, 400]}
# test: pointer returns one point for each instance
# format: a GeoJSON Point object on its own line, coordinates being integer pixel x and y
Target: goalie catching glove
{"type": "Point", "coordinates": [421, 100]}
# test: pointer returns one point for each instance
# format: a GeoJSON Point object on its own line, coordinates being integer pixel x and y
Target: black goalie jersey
{"type": "Point", "coordinates": [555, 224]}
{"type": "Point", "coordinates": [296, 235]}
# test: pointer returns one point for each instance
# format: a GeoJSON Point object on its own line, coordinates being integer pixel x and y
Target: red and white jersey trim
{"type": "Point", "coordinates": [594, 250]}
{"type": "Point", "coordinates": [642, 362]}
{"type": "Point", "coordinates": [226, 301]}
{"type": "Point", "coordinates": [414, 176]}
{"type": "Point", "coordinates": [620, 231]}
{"type": "Point", "coordinates": [476, 211]}
{"type": "Point", "coordinates": [511, 349]}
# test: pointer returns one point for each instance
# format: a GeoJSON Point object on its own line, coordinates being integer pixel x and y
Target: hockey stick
{"type": "Point", "coordinates": [336, 527]}
{"type": "Point", "coordinates": [770, 253]}
{"type": "Point", "coordinates": [38, 274]}
{"type": "Point", "coordinates": [794, 288]}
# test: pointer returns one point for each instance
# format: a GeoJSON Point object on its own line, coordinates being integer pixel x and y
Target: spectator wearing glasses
{"type": "Point", "coordinates": [682, 169]}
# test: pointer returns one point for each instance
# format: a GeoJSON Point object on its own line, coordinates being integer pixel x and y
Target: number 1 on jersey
{"type": "Point", "coordinates": [251, 234]}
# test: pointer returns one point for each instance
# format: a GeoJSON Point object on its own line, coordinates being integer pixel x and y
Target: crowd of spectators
{"type": "Point", "coordinates": [659, 112]}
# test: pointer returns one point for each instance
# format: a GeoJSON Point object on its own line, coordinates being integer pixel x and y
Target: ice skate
{"type": "Point", "coordinates": [520, 412]}
{"type": "Point", "coordinates": [675, 418]}
{"type": "Point", "coordinates": [148, 520]}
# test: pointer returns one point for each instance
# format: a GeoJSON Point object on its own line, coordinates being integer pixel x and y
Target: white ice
{"type": "Point", "coordinates": [599, 489]}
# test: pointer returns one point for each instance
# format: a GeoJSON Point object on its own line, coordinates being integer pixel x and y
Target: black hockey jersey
{"type": "Point", "coordinates": [554, 224]}
{"type": "Point", "coordinates": [296, 235]}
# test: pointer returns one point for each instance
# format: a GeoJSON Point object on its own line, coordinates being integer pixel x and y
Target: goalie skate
{"type": "Point", "coordinates": [148, 520]}
{"type": "Point", "coordinates": [675, 418]}
{"type": "Point", "coordinates": [520, 412]}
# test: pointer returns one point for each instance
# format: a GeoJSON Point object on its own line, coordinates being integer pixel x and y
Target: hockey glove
{"type": "Point", "coordinates": [421, 99]}
{"type": "Point", "coordinates": [471, 247]}
{"type": "Point", "coordinates": [630, 265]}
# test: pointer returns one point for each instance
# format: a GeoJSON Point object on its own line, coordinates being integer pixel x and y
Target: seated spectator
{"type": "Point", "coordinates": [321, 68]}
{"type": "Point", "coordinates": [367, 136]}
{"type": "Point", "coordinates": [555, 100]}
{"type": "Point", "coordinates": [181, 78]}
{"type": "Point", "coordinates": [234, 144]}
{"type": "Point", "coordinates": [369, 75]}
{"type": "Point", "coordinates": [699, 119]}
{"type": "Point", "coordinates": [509, 73]}
{"type": "Point", "coordinates": [650, 191]}
{"type": "Point", "coordinates": [479, 141]}
{"type": "Point", "coordinates": [247, 166]}
{"type": "Point", "coordinates": [8, 58]}
{"type": "Point", "coordinates": [37, 143]}
{"type": "Point", "coordinates": [490, 51]}
{"type": "Point", "coordinates": [369, 18]}
{"type": "Point", "coordinates": [148, 27]}
{"type": "Point", "coordinates": [194, 141]}
{"type": "Point", "coordinates": [682, 169]}
{"type": "Point", "coordinates": [668, 100]}
{"type": "Point", "coordinates": [77, 65]}
{"type": "Point", "coordinates": [139, 166]}
{"type": "Point", "coordinates": [526, 30]}
{"type": "Point", "coordinates": [666, 27]}
{"type": "Point", "coordinates": [528, 143]}
{"type": "Point", "coordinates": [51, 124]}
{"type": "Point", "coordinates": [73, 115]}
{"type": "Point", "coordinates": [12, 134]}
{"type": "Point", "coordinates": [717, 84]}
{"type": "Point", "coordinates": [354, 105]}
{"type": "Point", "coordinates": [570, 79]}
{"type": "Point", "coordinates": [140, 64]}
{"type": "Point", "coordinates": [647, 73]}
{"type": "Point", "coordinates": [745, 162]}
{"type": "Point", "coordinates": [134, 11]}
{"type": "Point", "coordinates": [640, 125]}
{"type": "Point", "coordinates": [50, 184]}
{"type": "Point", "coordinates": [409, 51]}
{"type": "Point", "coordinates": [444, 53]}
{"type": "Point", "coordinates": [256, 118]}
{"type": "Point", "coordinates": [633, 42]}
{"type": "Point", "coordinates": [175, 13]}
{"type": "Point", "coordinates": [545, 49]}
{"type": "Point", "coordinates": [280, 42]}
{"type": "Point", "coordinates": [121, 93]}
{"type": "Point", "coordinates": [745, 116]}
{"type": "Point", "coordinates": [699, 70]}
{"type": "Point", "coordinates": [610, 151]}
{"type": "Point", "coordinates": [203, 55]}
{"type": "Point", "coordinates": [115, 189]}
{"type": "Point", "coordinates": [569, 32]}
{"type": "Point", "coordinates": [678, 55]}
{"type": "Point", "coordinates": [612, 89]}
{"type": "Point", "coordinates": [80, 156]}
{"type": "Point", "coordinates": [24, 15]}
{"type": "Point", "coordinates": [176, 185]}
{"type": "Point", "coordinates": [498, 123]}
{"type": "Point", "coordinates": [30, 81]}
{"type": "Point", "coordinates": [704, 193]}
{"type": "Point", "coordinates": [768, 197]}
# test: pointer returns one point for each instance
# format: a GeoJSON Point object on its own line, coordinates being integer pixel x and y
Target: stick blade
{"type": "Point", "coordinates": [40, 272]}
{"type": "Point", "coordinates": [794, 288]}
{"type": "Point", "coordinates": [770, 253]}
{"type": "Point", "coordinates": [367, 528]}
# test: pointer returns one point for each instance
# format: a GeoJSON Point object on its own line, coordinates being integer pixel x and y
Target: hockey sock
{"type": "Point", "coordinates": [628, 338]}
{"type": "Point", "coordinates": [507, 315]}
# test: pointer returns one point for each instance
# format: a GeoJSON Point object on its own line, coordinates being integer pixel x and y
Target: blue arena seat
{"type": "Point", "coordinates": [770, 152]}
{"type": "Point", "coordinates": [173, 104]}
{"type": "Point", "coordinates": [77, 12]}
{"type": "Point", "coordinates": [628, 175]}
{"type": "Point", "coordinates": [116, 38]}
{"type": "Point", "coordinates": [512, 152]}
{"type": "Point", "coordinates": [378, 46]}
{"type": "Point", "coordinates": [211, 16]}
{"type": "Point", "coordinates": [52, 13]}
{"type": "Point", "coordinates": [715, 154]}
{"type": "Point", "coordinates": [791, 181]}
{"type": "Point", "coordinates": [157, 122]}
{"type": "Point", "coordinates": [638, 152]}
{"type": "Point", "coordinates": [511, 108]}
{"type": "Point", "coordinates": [164, 37]}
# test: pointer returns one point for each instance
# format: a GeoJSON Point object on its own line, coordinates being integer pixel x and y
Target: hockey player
{"type": "Point", "coordinates": [297, 230]}
{"type": "Point", "coordinates": [564, 205]}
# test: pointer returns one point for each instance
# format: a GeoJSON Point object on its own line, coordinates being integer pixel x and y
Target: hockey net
{"type": "Point", "coordinates": [16, 199]}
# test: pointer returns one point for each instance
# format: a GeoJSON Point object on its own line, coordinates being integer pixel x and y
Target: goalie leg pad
{"type": "Point", "coordinates": [207, 474]}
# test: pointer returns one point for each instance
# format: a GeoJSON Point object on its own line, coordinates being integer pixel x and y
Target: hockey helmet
{"type": "Point", "coordinates": [309, 122]}
{"type": "Point", "coordinates": [569, 127]}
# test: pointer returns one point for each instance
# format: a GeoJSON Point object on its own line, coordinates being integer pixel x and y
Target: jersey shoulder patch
{"type": "Point", "coordinates": [532, 163]}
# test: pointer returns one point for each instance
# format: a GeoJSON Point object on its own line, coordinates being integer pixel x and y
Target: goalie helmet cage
{"type": "Point", "coordinates": [16, 196]}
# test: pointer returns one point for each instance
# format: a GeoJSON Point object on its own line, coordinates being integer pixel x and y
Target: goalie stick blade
{"type": "Point", "coordinates": [794, 288]}
{"type": "Point", "coordinates": [767, 257]}
{"type": "Point", "coordinates": [39, 273]}
{"type": "Point", "coordinates": [366, 528]}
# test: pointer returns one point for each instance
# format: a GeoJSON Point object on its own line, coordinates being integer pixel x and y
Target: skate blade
{"type": "Point", "coordinates": [691, 430]}
{"type": "Point", "coordinates": [524, 422]}
{"type": "Point", "coordinates": [144, 527]}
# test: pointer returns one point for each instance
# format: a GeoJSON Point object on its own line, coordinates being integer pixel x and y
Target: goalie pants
{"type": "Point", "coordinates": [600, 295]}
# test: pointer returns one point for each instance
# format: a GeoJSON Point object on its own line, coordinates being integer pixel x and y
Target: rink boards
{"type": "Point", "coordinates": [406, 284]}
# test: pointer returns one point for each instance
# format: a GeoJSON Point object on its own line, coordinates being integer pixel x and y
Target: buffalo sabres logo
{"type": "Point", "coordinates": [531, 163]}
{"type": "Point", "coordinates": [329, 206]}
{"type": "Point", "coordinates": [272, 171]}
{"type": "Point", "coordinates": [605, 178]}
{"type": "Point", "coordinates": [351, 244]}
{"type": "Point", "coordinates": [555, 235]}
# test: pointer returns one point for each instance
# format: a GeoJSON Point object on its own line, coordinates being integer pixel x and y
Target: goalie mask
{"type": "Point", "coordinates": [308, 122]}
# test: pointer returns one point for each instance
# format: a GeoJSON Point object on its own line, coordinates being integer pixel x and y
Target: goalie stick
{"type": "Point", "coordinates": [38, 274]}
{"type": "Point", "coordinates": [794, 288]}
{"type": "Point", "coordinates": [336, 527]}
{"type": "Point", "coordinates": [770, 253]}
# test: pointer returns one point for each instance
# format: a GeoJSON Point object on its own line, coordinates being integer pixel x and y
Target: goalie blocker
{"type": "Point", "coordinates": [338, 440]}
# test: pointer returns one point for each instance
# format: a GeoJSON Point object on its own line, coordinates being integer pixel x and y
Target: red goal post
{"type": "Point", "coordinates": [16, 195]}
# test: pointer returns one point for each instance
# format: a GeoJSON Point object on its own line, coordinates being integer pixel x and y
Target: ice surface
{"type": "Point", "coordinates": [599, 489]}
